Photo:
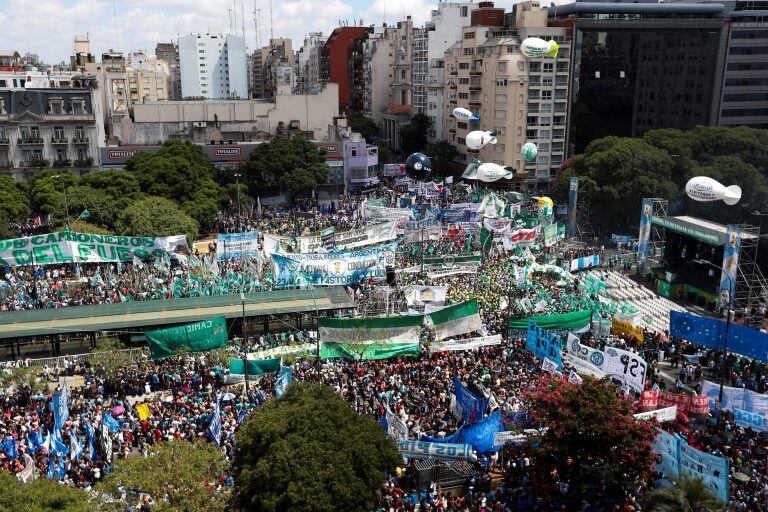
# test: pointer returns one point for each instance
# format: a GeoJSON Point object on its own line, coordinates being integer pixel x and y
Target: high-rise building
{"type": "Point", "coordinates": [641, 66]}
{"type": "Point", "coordinates": [148, 77]}
{"type": "Point", "coordinates": [169, 53]}
{"type": "Point", "coordinates": [278, 66]}
{"type": "Point", "coordinates": [212, 66]}
{"type": "Point", "coordinates": [514, 95]}
{"type": "Point", "coordinates": [342, 62]}
{"type": "Point", "coordinates": [429, 46]}
{"type": "Point", "coordinates": [309, 60]}
{"type": "Point", "coordinates": [744, 96]}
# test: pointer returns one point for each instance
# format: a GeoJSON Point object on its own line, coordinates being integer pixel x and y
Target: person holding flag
{"type": "Point", "coordinates": [214, 427]}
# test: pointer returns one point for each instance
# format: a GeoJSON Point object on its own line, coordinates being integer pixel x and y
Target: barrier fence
{"type": "Point", "coordinates": [63, 361]}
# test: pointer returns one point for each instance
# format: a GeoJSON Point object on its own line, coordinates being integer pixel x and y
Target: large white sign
{"type": "Point", "coordinates": [621, 364]}
{"type": "Point", "coordinates": [420, 295]}
{"type": "Point", "coordinates": [661, 415]}
{"type": "Point", "coordinates": [465, 344]}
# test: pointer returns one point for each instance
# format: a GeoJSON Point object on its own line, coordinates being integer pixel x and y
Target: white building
{"type": "Point", "coordinates": [309, 60]}
{"type": "Point", "coordinates": [439, 34]}
{"type": "Point", "coordinates": [213, 66]}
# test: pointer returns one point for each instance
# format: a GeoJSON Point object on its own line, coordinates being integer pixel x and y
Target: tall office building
{"type": "Point", "coordinates": [342, 62]}
{"type": "Point", "coordinates": [169, 53]}
{"type": "Point", "coordinates": [212, 66]}
{"type": "Point", "coordinates": [429, 46]}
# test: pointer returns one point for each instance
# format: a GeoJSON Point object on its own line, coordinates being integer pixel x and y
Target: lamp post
{"type": "Point", "coordinates": [727, 321]}
{"type": "Point", "coordinates": [245, 346]}
{"type": "Point", "coordinates": [66, 203]}
{"type": "Point", "coordinates": [239, 214]}
{"type": "Point", "coordinates": [310, 289]}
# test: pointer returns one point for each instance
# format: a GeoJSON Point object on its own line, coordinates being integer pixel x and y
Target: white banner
{"type": "Point", "coordinates": [509, 436]}
{"type": "Point", "coordinates": [271, 244]}
{"type": "Point", "coordinates": [385, 213]}
{"type": "Point", "coordinates": [396, 428]}
{"type": "Point", "coordinates": [421, 295]}
{"type": "Point", "coordinates": [621, 364]}
{"type": "Point", "coordinates": [436, 275]}
{"type": "Point", "coordinates": [368, 235]}
{"type": "Point", "coordinates": [466, 344]}
{"type": "Point", "coordinates": [661, 415]}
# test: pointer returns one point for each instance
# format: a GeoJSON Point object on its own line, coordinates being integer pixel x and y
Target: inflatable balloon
{"type": "Point", "coordinates": [545, 206]}
{"type": "Point", "coordinates": [478, 139]}
{"type": "Point", "coordinates": [463, 114]}
{"type": "Point", "coordinates": [418, 167]}
{"type": "Point", "coordinates": [488, 172]}
{"type": "Point", "coordinates": [529, 151]}
{"type": "Point", "coordinates": [470, 172]}
{"type": "Point", "coordinates": [534, 47]}
{"type": "Point", "coordinates": [705, 189]}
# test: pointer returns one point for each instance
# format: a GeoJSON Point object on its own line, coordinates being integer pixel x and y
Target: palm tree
{"type": "Point", "coordinates": [688, 495]}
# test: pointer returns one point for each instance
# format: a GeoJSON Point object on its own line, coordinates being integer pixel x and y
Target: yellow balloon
{"type": "Point", "coordinates": [545, 201]}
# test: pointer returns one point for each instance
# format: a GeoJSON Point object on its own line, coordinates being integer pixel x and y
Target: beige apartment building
{"type": "Point", "coordinates": [521, 99]}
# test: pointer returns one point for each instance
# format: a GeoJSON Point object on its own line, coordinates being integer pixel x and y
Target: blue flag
{"type": "Point", "coordinates": [57, 445]}
{"type": "Point", "coordinates": [110, 422]}
{"type": "Point", "coordinates": [61, 473]}
{"type": "Point", "coordinates": [215, 426]}
{"type": "Point", "coordinates": [31, 445]}
{"type": "Point", "coordinates": [11, 447]}
{"type": "Point", "coordinates": [473, 406]}
{"type": "Point", "coordinates": [61, 406]}
{"type": "Point", "coordinates": [75, 447]}
{"type": "Point", "coordinates": [51, 468]}
{"type": "Point", "coordinates": [283, 380]}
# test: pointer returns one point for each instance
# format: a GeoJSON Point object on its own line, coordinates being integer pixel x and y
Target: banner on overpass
{"type": "Point", "coordinates": [195, 337]}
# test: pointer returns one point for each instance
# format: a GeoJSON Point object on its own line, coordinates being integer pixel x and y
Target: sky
{"type": "Point", "coordinates": [48, 27]}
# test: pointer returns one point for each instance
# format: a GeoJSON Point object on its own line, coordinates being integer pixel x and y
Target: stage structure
{"type": "Point", "coordinates": [676, 250]}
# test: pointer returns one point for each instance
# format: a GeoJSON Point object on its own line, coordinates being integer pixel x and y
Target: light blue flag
{"type": "Point", "coordinates": [283, 380]}
{"type": "Point", "coordinates": [75, 448]}
{"type": "Point", "coordinates": [61, 406]}
{"type": "Point", "coordinates": [214, 428]}
{"type": "Point", "coordinates": [110, 422]}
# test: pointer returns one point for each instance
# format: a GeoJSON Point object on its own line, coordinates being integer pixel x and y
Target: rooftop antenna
{"type": "Point", "coordinates": [242, 18]}
{"type": "Point", "coordinates": [259, 35]}
{"type": "Point", "coordinates": [229, 13]}
{"type": "Point", "coordinates": [234, 12]}
{"type": "Point", "coordinates": [271, 33]}
{"type": "Point", "coordinates": [114, 18]}
{"type": "Point", "coordinates": [256, 23]}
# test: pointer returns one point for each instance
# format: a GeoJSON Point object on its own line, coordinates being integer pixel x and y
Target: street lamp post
{"type": "Point", "coordinates": [727, 321]}
{"type": "Point", "coordinates": [245, 346]}
{"type": "Point", "coordinates": [239, 213]}
{"type": "Point", "coordinates": [66, 203]}
{"type": "Point", "coordinates": [317, 334]}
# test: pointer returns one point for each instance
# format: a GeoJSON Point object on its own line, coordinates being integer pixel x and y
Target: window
{"type": "Point", "coordinates": [463, 65]}
{"type": "Point", "coordinates": [501, 98]}
{"type": "Point", "coordinates": [464, 81]}
{"type": "Point", "coordinates": [545, 121]}
{"type": "Point", "coordinates": [82, 154]}
{"type": "Point", "coordinates": [546, 95]}
{"type": "Point", "coordinates": [55, 107]}
{"type": "Point", "coordinates": [502, 66]}
{"type": "Point", "coordinates": [500, 114]}
{"type": "Point", "coordinates": [510, 48]}
{"type": "Point", "coordinates": [546, 81]}
{"type": "Point", "coordinates": [500, 130]}
{"type": "Point", "coordinates": [463, 126]}
{"type": "Point", "coordinates": [548, 67]}
{"type": "Point", "coordinates": [534, 67]}
{"type": "Point", "coordinates": [469, 51]}
{"type": "Point", "coordinates": [464, 11]}
{"type": "Point", "coordinates": [461, 140]}
{"type": "Point", "coordinates": [78, 106]}
{"type": "Point", "coordinates": [501, 82]}
{"type": "Point", "coordinates": [499, 148]}
{"type": "Point", "coordinates": [463, 96]}
{"type": "Point", "coordinates": [61, 154]}
{"type": "Point", "coordinates": [544, 134]}
{"type": "Point", "coordinates": [58, 133]}
{"type": "Point", "coordinates": [469, 35]}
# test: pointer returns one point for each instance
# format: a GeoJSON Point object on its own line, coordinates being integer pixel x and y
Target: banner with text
{"type": "Point", "coordinates": [72, 247]}
{"type": "Point", "coordinates": [455, 320]}
{"type": "Point", "coordinates": [620, 364]}
{"type": "Point", "coordinates": [236, 246]}
{"type": "Point", "coordinates": [440, 451]}
{"type": "Point", "coordinates": [465, 344]}
{"type": "Point", "coordinates": [333, 268]}
{"type": "Point", "coordinates": [736, 398]}
{"type": "Point", "coordinates": [195, 337]}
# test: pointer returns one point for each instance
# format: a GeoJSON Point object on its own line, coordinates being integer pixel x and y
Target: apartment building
{"type": "Point", "coordinates": [148, 78]}
{"type": "Point", "coordinates": [169, 53]}
{"type": "Point", "coordinates": [342, 62]}
{"type": "Point", "coordinates": [309, 61]}
{"type": "Point", "coordinates": [213, 66]}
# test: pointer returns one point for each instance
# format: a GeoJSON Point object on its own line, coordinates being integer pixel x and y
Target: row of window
{"type": "Point", "coordinates": [33, 133]}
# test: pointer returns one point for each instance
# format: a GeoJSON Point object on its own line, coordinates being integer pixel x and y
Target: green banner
{"type": "Point", "coordinates": [550, 235]}
{"type": "Point", "coordinates": [72, 247]}
{"type": "Point", "coordinates": [456, 320]}
{"type": "Point", "coordinates": [255, 366]}
{"type": "Point", "coordinates": [563, 321]}
{"type": "Point", "coordinates": [365, 352]}
{"type": "Point", "coordinates": [196, 337]}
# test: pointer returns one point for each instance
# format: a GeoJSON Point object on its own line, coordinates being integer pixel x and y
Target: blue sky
{"type": "Point", "coordinates": [48, 27]}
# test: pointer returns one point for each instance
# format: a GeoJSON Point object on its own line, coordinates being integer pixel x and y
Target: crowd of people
{"type": "Point", "coordinates": [181, 393]}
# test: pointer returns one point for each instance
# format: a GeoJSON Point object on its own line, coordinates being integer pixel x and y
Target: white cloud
{"type": "Point", "coordinates": [392, 11]}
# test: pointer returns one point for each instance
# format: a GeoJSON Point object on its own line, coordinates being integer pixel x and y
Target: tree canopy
{"type": "Point", "coordinates": [309, 451]}
{"type": "Point", "coordinates": [413, 134]}
{"type": "Point", "coordinates": [443, 153]}
{"type": "Point", "coordinates": [13, 199]}
{"type": "Point", "coordinates": [592, 440]}
{"type": "Point", "coordinates": [182, 172]}
{"type": "Point", "coordinates": [179, 476]}
{"type": "Point", "coordinates": [40, 495]}
{"type": "Point", "coordinates": [688, 494]}
{"type": "Point", "coordinates": [157, 216]}
{"type": "Point", "coordinates": [292, 163]}
{"type": "Point", "coordinates": [365, 126]}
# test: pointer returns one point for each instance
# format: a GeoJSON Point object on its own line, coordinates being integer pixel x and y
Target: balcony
{"type": "Point", "coordinates": [30, 140]}
{"type": "Point", "coordinates": [62, 162]}
{"type": "Point", "coordinates": [474, 103]}
{"type": "Point", "coordinates": [85, 162]}
{"type": "Point", "coordinates": [475, 72]}
{"type": "Point", "coordinates": [59, 140]}
{"type": "Point", "coordinates": [475, 88]}
{"type": "Point", "coordinates": [81, 139]}
{"type": "Point", "coordinates": [35, 162]}
{"type": "Point", "coordinates": [4, 141]}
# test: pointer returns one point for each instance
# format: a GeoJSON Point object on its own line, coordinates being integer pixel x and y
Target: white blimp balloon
{"type": "Point", "coordinates": [478, 139]}
{"type": "Point", "coordinates": [702, 188]}
{"type": "Point", "coordinates": [463, 114]}
{"type": "Point", "coordinates": [491, 172]}
{"type": "Point", "coordinates": [534, 47]}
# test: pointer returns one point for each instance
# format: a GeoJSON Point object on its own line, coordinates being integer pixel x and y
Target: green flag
{"type": "Point", "coordinates": [195, 337]}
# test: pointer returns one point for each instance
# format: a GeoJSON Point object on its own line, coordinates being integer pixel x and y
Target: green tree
{"type": "Point", "coordinates": [620, 172]}
{"type": "Point", "coordinates": [592, 439]}
{"type": "Point", "coordinates": [13, 199]}
{"type": "Point", "coordinates": [385, 154]}
{"type": "Point", "coordinates": [41, 495]}
{"type": "Point", "coordinates": [688, 495]}
{"type": "Point", "coordinates": [157, 216]}
{"type": "Point", "coordinates": [413, 135]}
{"type": "Point", "coordinates": [443, 153]}
{"type": "Point", "coordinates": [365, 126]}
{"type": "Point", "coordinates": [292, 163]}
{"type": "Point", "coordinates": [730, 170]}
{"type": "Point", "coordinates": [308, 451]}
{"type": "Point", "coordinates": [46, 193]}
{"type": "Point", "coordinates": [179, 476]}
{"type": "Point", "coordinates": [182, 172]}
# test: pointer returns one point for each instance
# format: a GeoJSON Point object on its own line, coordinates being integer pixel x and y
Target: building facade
{"type": "Point", "coordinates": [230, 120]}
{"type": "Point", "coordinates": [309, 61]}
{"type": "Point", "coordinates": [212, 66]}
{"type": "Point", "coordinates": [42, 128]}
{"type": "Point", "coordinates": [148, 78]}
{"type": "Point", "coordinates": [430, 44]}
{"type": "Point", "coordinates": [169, 53]}
{"type": "Point", "coordinates": [342, 62]}
{"type": "Point", "coordinates": [278, 67]}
